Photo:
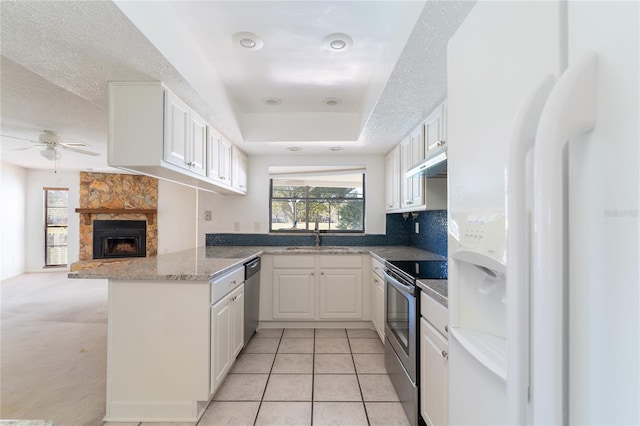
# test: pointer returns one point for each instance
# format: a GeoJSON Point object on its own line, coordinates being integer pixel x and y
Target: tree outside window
{"type": "Point", "coordinates": [334, 202]}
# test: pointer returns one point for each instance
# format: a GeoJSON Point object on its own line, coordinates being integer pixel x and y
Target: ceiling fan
{"type": "Point", "coordinates": [51, 143]}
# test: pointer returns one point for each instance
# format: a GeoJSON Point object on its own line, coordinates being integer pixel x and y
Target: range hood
{"type": "Point", "coordinates": [435, 165]}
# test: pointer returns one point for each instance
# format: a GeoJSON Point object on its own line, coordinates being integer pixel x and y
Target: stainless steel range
{"type": "Point", "coordinates": [402, 327]}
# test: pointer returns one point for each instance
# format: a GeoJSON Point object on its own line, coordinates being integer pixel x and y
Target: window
{"type": "Point", "coordinates": [56, 224]}
{"type": "Point", "coordinates": [332, 200]}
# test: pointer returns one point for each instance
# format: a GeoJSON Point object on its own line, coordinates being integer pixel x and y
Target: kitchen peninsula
{"type": "Point", "coordinates": [168, 350]}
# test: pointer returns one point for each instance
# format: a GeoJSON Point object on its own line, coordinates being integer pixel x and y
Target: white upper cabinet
{"type": "Point", "coordinates": [405, 194]}
{"type": "Point", "coordinates": [153, 132]}
{"type": "Point", "coordinates": [218, 157]}
{"type": "Point", "coordinates": [185, 143]}
{"type": "Point", "coordinates": [392, 180]}
{"type": "Point", "coordinates": [435, 128]}
{"type": "Point", "coordinates": [411, 152]}
{"type": "Point", "coordinates": [176, 130]}
{"type": "Point", "coordinates": [197, 160]}
{"type": "Point", "coordinates": [239, 170]}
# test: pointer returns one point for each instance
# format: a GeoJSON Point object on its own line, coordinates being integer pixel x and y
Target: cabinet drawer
{"type": "Point", "coordinates": [224, 284]}
{"type": "Point", "coordinates": [377, 267]}
{"type": "Point", "coordinates": [294, 261]}
{"type": "Point", "coordinates": [435, 313]}
{"type": "Point", "coordinates": [340, 261]}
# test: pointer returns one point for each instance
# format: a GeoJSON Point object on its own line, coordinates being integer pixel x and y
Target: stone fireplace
{"type": "Point", "coordinates": [123, 209]}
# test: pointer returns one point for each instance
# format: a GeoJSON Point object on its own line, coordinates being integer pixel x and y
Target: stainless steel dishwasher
{"type": "Point", "coordinates": [251, 297]}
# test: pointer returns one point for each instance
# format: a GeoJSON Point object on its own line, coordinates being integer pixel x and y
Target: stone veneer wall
{"type": "Point", "coordinates": [117, 191]}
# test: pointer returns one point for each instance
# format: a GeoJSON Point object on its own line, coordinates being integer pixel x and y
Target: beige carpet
{"type": "Point", "coordinates": [53, 349]}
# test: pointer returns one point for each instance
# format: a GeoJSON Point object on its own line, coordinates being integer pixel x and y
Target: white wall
{"type": "Point", "coordinates": [13, 204]}
{"type": "Point", "coordinates": [251, 212]}
{"type": "Point", "coordinates": [177, 217]}
{"type": "Point", "coordinates": [36, 181]}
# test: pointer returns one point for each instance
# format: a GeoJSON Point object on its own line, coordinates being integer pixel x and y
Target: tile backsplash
{"type": "Point", "coordinates": [399, 232]}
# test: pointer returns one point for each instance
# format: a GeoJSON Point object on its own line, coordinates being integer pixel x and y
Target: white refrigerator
{"type": "Point", "coordinates": [544, 173]}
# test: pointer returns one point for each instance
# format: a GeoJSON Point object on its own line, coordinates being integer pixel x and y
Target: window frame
{"type": "Point", "coordinates": [309, 200]}
{"type": "Point", "coordinates": [48, 226]}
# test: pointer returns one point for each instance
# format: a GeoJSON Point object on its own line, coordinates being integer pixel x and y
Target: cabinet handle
{"type": "Point", "coordinates": [375, 280]}
{"type": "Point", "coordinates": [445, 354]}
{"type": "Point", "coordinates": [446, 328]}
{"type": "Point", "coordinates": [321, 273]}
{"type": "Point", "coordinates": [409, 202]}
{"type": "Point", "coordinates": [313, 273]}
{"type": "Point", "coordinates": [440, 143]}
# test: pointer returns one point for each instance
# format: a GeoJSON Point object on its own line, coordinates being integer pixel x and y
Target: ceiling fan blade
{"type": "Point", "coordinates": [19, 138]}
{"type": "Point", "coordinates": [79, 151]}
{"type": "Point", "coordinates": [25, 148]}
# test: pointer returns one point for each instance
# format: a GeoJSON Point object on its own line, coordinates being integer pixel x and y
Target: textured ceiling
{"type": "Point", "coordinates": [58, 57]}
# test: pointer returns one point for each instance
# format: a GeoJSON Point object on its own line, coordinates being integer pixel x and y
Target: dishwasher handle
{"type": "Point", "coordinates": [251, 268]}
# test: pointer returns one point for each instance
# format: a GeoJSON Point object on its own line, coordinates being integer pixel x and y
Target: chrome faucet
{"type": "Point", "coordinates": [317, 232]}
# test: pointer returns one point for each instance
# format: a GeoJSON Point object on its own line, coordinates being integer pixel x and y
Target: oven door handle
{"type": "Point", "coordinates": [402, 288]}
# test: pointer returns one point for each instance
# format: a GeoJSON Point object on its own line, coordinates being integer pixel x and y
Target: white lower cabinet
{"type": "Point", "coordinates": [434, 381]}
{"type": "Point", "coordinates": [294, 293]}
{"type": "Point", "coordinates": [340, 293]}
{"type": "Point", "coordinates": [377, 297]}
{"type": "Point", "coordinates": [309, 287]}
{"type": "Point", "coordinates": [227, 330]}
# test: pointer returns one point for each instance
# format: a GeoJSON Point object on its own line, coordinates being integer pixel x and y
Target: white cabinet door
{"type": "Point", "coordinates": [434, 381]}
{"type": "Point", "coordinates": [176, 131]}
{"type": "Point", "coordinates": [392, 180]}
{"type": "Point", "coordinates": [340, 293]}
{"type": "Point", "coordinates": [294, 293]}
{"type": "Point", "coordinates": [411, 152]}
{"type": "Point", "coordinates": [214, 150]}
{"type": "Point", "coordinates": [239, 173]}
{"type": "Point", "coordinates": [197, 159]}
{"type": "Point", "coordinates": [377, 304]}
{"type": "Point", "coordinates": [225, 161]}
{"type": "Point", "coordinates": [237, 321]}
{"type": "Point", "coordinates": [220, 341]}
{"type": "Point", "coordinates": [435, 128]}
{"type": "Point", "coordinates": [227, 334]}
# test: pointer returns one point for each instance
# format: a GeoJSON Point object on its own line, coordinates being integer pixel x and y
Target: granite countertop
{"type": "Point", "coordinates": [204, 263]}
{"type": "Point", "coordinates": [436, 289]}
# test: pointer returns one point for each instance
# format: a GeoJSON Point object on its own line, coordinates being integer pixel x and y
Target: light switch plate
{"type": "Point", "coordinates": [207, 215]}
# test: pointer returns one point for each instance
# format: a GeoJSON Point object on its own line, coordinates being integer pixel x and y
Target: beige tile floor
{"type": "Point", "coordinates": [307, 377]}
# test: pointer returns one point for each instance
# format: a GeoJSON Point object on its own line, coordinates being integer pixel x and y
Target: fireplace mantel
{"type": "Point", "coordinates": [86, 212]}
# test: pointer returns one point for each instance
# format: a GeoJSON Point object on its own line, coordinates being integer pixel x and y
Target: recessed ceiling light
{"type": "Point", "coordinates": [247, 40]}
{"type": "Point", "coordinates": [272, 101]}
{"type": "Point", "coordinates": [331, 101]}
{"type": "Point", "coordinates": [337, 42]}
{"type": "Point", "coordinates": [335, 148]}
{"type": "Point", "coordinates": [294, 148]}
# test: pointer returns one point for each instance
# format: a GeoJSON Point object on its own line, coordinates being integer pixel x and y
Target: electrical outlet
{"type": "Point", "coordinates": [417, 228]}
{"type": "Point", "coordinates": [207, 215]}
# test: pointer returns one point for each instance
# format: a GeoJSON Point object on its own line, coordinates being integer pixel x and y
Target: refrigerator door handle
{"type": "Point", "coordinates": [521, 142]}
{"type": "Point", "coordinates": [570, 111]}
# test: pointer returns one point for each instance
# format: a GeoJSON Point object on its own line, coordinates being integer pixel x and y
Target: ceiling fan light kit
{"type": "Point", "coordinates": [50, 153]}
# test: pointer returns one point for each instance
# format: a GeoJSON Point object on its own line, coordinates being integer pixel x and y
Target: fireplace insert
{"type": "Point", "coordinates": [119, 239]}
